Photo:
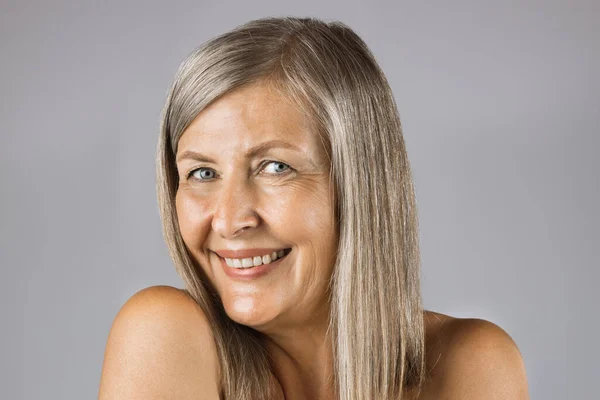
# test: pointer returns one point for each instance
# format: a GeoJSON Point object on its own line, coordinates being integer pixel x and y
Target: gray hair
{"type": "Point", "coordinates": [376, 319]}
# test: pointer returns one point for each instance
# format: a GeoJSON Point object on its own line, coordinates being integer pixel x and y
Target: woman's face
{"type": "Point", "coordinates": [253, 186]}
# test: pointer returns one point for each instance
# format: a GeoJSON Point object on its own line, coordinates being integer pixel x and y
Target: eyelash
{"type": "Point", "coordinates": [262, 166]}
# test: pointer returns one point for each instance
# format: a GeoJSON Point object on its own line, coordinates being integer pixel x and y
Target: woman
{"type": "Point", "coordinates": [288, 208]}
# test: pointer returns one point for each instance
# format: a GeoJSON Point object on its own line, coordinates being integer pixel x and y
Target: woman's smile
{"type": "Point", "coordinates": [245, 264]}
{"type": "Point", "coordinates": [251, 257]}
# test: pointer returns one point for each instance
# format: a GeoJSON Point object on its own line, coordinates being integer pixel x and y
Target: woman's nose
{"type": "Point", "coordinates": [234, 211]}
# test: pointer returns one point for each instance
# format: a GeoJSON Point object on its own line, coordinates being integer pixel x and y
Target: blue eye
{"type": "Point", "coordinates": [276, 167]}
{"type": "Point", "coordinates": [204, 174]}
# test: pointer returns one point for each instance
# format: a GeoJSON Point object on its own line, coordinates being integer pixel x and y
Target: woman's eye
{"type": "Point", "coordinates": [202, 174]}
{"type": "Point", "coordinates": [276, 167]}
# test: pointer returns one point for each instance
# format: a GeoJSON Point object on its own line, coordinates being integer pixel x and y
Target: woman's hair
{"type": "Point", "coordinates": [376, 319]}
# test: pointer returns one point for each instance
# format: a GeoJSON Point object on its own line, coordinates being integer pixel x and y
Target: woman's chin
{"type": "Point", "coordinates": [247, 311]}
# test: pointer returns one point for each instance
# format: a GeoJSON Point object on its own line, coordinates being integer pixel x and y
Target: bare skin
{"type": "Point", "coordinates": [437, 335]}
{"type": "Point", "coordinates": [443, 335]}
{"type": "Point", "coordinates": [470, 359]}
{"type": "Point", "coordinates": [254, 178]}
{"type": "Point", "coordinates": [435, 326]}
{"type": "Point", "coordinates": [161, 346]}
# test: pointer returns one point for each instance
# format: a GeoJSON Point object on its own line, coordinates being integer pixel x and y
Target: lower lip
{"type": "Point", "coordinates": [250, 273]}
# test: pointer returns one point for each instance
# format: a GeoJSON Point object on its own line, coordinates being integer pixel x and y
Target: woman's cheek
{"type": "Point", "coordinates": [305, 206]}
{"type": "Point", "coordinates": [193, 216]}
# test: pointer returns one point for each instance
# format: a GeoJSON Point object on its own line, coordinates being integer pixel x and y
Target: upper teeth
{"type": "Point", "coordinates": [255, 261]}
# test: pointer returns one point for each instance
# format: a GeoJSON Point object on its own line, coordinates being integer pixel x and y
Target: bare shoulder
{"type": "Point", "coordinates": [159, 346]}
{"type": "Point", "coordinates": [472, 359]}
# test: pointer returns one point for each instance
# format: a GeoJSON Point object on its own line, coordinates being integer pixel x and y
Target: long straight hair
{"type": "Point", "coordinates": [376, 317]}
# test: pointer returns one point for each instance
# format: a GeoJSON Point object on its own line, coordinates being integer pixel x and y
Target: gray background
{"type": "Point", "coordinates": [500, 109]}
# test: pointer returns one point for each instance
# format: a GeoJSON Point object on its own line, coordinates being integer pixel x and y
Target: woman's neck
{"type": "Point", "coordinates": [302, 360]}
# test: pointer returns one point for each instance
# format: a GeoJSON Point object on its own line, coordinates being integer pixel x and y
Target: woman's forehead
{"type": "Point", "coordinates": [248, 116]}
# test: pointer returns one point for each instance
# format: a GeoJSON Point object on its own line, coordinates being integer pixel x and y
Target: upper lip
{"type": "Point", "coordinates": [246, 253]}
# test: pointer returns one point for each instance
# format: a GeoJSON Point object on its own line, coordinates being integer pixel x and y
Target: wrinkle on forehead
{"type": "Point", "coordinates": [255, 113]}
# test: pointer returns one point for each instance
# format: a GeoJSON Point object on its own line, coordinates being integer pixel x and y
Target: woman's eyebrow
{"type": "Point", "coordinates": [252, 152]}
{"type": "Point", "coordinates": [192, 155]}
{"type": "Point", "coordinates": [268, 145]}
